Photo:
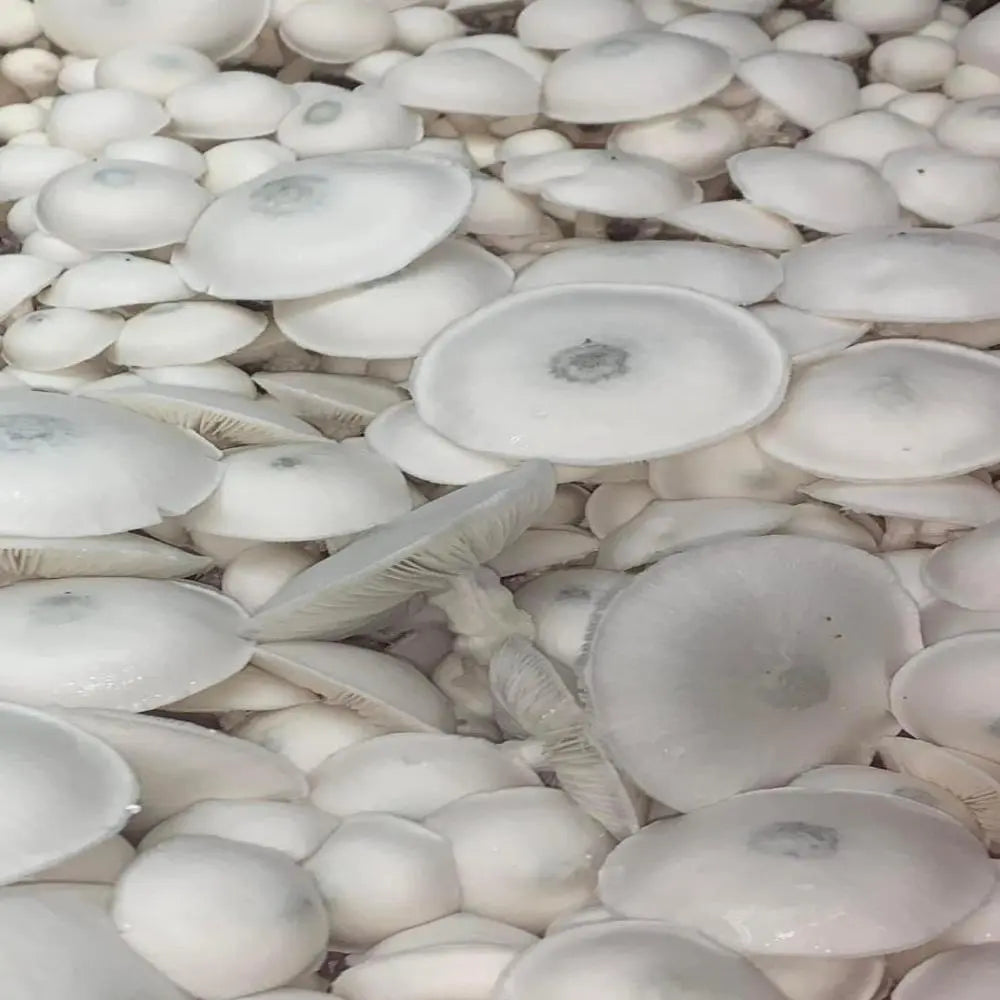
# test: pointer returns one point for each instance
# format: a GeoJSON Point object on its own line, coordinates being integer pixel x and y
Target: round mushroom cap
{"type": "Point", "coordinates": [735, 274]}
{"type": "Point", "coordinates": [218, 28]}
{"type": "Point", "coordinates": [632, 76]}
{"type": "Point", "coordinates": [971, 126]}
{"type": "Point", "coordinates": [49, 339]}
{"type": "Point", "coordinates": [835, 39]}
{"type": "Point", "coordinates": [888, 17]}
{"type": "Point", "coordinates": [75, 466]}
{"type": "Point", "coordinates": [153, 68]}
{"type": "Point", "coordinates": [827, 193]}
{"type": "Point", "coordinates": [322, 224]}
{"type": "Point", "coordinates": [112, 280]}
{"type": "Point", "coordinates": [24, 169]}
{"type": "Point", "coordinates": [336, 32]}
{"type": "Point", "coordinates": [779, 644]}
{"type": "Point", "coordinates": [978, 43]}
{"type": "Point", "coordinates": [788, 871]}
{"type": "Point", "coordinates": [412, 774]}
{"type": "Point", "coordinates": [808, 337]}
{"type": "Point", "coordinates": [899, 275]}
{"type": "Point", "coordinates": [65, 792]}
{"type": "Point", "coordinates": [968, 973]}
{"type": "Point", "coordinates": [962, 571]}
{"type": "Point", "coordinates": [563, 24]}
{"type": "Point", "coordinates": [120, 205]}
{"type": "Point", "coordinates": [89, 120]}
{"type": "Point", "coordinates": [397, 316]}
{"type": "Point", "coordinates": [192, 889]}
{"type": "Point", "coordinates": [895, 410]}
{"type": "Point", "coordinates": [249, 690]}
{"type": "Point", "coordinates": [524, 855]}
{"type": "Point", "coordinates": [22, 276]}
{"type": "Point", "coordinates": [592, 377]}
{"type": "Point", "coordinates": [631, 960]}
{"type": "Point", "coordinates": [381, 874]}
{"type": "Point", "coordinates": [731, 30]}
{"type": "Point", "coordinates": [869, 136]}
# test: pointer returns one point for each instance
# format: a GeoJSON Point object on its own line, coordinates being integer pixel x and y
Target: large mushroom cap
{"type": "Point", "coordinates": [631, 960]}
{"type": "Point", "coordinates": [737, 665]}
{"type": "Point", "coordinates": [63, 791]}
{"type": "Point", "coordinates": [599, 374]}
{"type": "Point", "coordinates": [789, 872]}
{"type": "Point", "coordinates": [71, 466]}
{"type": "Point", "coordinates": [968, 973]}
{"type": "Point", "coordinates": [322, 224]}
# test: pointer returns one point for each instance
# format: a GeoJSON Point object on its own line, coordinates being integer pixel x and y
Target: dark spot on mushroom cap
{"type": "Point", "coordinates": [573, 593]}
{"type": "Point", "coordinates": [286, 462]}
{"type": "Point", "coordinates": [294, 195]}
{"type": "Point", "coordinates": [61, 609]}
{"type": "Point", "coordinates": [589, 362]}
{"type": "Point", "coordinates": [30, 431]}
{"type": "Point", "coordinates": [323, 112]}
{"type": "Point", "coordinates": [795, 839]}
{"type": "Point", "coordinates": [892, 390]}
{"type": "Point", "coordinates": [114, 177]}
{"type": "Point", "coordinates": [616, 47]}
{"type": "Point", "coordinates": [799, 686]}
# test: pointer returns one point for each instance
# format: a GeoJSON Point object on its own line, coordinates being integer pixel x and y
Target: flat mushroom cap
{"type": "Point", "coordinates": [73, 466]}
{"type": "Point", "coordinates": [963, 571]}
{"type": "Point", "coordinates": [740, 664]}
{"type": "Point", "coordinates": [417, 552]}
{"type": "Point", "coordinates": [55, 944]}
{"type": "Point", "coordinates": [737, 222]}
{"type": "Point", "coordinates": [94, 27]}
{"type": "Point", "coordinates": [324, 223]}
{"type": "Point", "coordinates": [64, 790]}
{"type": "Point", "coordinates": [738, 275]}
{"type": "Point", "coordinates": [632, 76]}
{"type": "Point", "coordinates": [904, 410]}
{"type": "Point", "coordinates": [968, 973]}
{"type": "Point", "coordinates": [788, 872]}
{"type": "Point", "coordinates": [587, 374]}
{"type": "Point", "coordinates": [899, 275]}
{"type": "Point", "coordinates": [631, 960]}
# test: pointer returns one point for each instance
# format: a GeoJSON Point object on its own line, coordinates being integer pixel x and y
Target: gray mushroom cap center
{"type": "Point", "coordinates": [22, 432]}
{"type": "Point", "coordinates": [795, 839]}
{"type": "Point", "coordinates": [589, 362]}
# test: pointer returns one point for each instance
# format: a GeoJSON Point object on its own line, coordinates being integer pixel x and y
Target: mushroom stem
{"type": "Point", "coordinates": [531, 752]}
{"type": "Point", "coordinates": [466, 684]}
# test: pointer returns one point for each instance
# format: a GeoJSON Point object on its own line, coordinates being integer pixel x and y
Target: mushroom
{"type": "Point", "coordinates": [336, 31]}
{"type": "Point", "coordinates": [808, 337]}
{"type": "Point", "coordinates": [412, 774]}
{"type": "Point", "coordinates": [249, 690]}
{"type": "Point", "coordinates": [159, 149]}
{"type": "Point", "coordinates": [97, 865]}
{"type": "Point", "coordinates": [781, 644]}
{"type": "Point", "coordinates": [783, 872]}
{"type": "Point", "coordinates": [961, 571]}
{"type": "Point", "coordinates": [962, 974]}
{"type": "Point", "coordinates": [89, 120]}
{"type": "Point", "coordinates": [154, 69]}
{"type": "Point", "coordinates": [113, 280]}
{"type": "Point", "coordinates": [24, 169]}
{"type": "Point", "coordinates": [458, 928]}
{"type": "Point", "coordinates": [231, 105]}
{"type": "Point", "coordinates": [540, 549]}
{"type": "Point", "coordinates": [349, 218]}
{"type": "Point", "coordinates": [738, 223]}
{"type": "Point", "coordinates": [870, 136]}
{"type": "Point", "coordinates": [46, 340]}
{"type": "Point", "coordinates": [21, 277]}
{"type": "Point", "coordinates": [555, 25]}
{"type": "Point", "coordinates": [191, 889]}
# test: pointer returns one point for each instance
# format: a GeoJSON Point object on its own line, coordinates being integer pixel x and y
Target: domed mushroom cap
{"type": "Point", "coordinates": [563, 24]}
{"type": "Point", "coordinates": [153, 68]}
{"type": "Point", "coordinates": [585, 374]}
{"type": "Point", "coordinates": [192, 889]}
{"type": "Point", "coordinates": [120, 205]}
{"type": "Point", "coordinates": [397, 316]}
{"type": "Point", "coordinates": [298, 492]}
{"type": "Point", "coordinates": [123, 643]}
{"type": "Point", "coordinates": [632, 76]}
{"type": "Point", "coordinates": [420, 551]}
{"type": "Point", "coordinates": [978, 43]}
{"type": "Point", "coordinates": [968, 973]}
{"type": "Point", "coordinates": [779, 644]}
{"type": "Point", "coordinates": [64, 790]}
{"type": "Point", "coordinates": [95, 27]}
{"type": "Point", "coordinates": [727, 26]}
{"type": "Point", "coordinates": [897, 415]}
{"type": "Point", "coordinates": [963, 571]}
{"type": "Point", "coordinates": [788, 871]}
{"type": "Point", "coordinates": [827, 193]}
{"type": "Point", "coordinates": [111, 280]}
{"type": "Point", "coordinates": [735, 274]}
{"type": "Point", "coordinates": [50, 339]}
{"type": "Point", "coordinates": [74, 466]}
{"type": "Point", "coordinates": [412, 774]}
{"type": "Point", "coordinates": [22, 276]}
{"type": "Point", "coordinates": [869, 136]}
{"type": "Point", "coordinates": [322, 224]}
{"type": "Point", "coordinates": [632, 960]}
{"type": "Point", "coordinates": [902, 275]}
{"type": "Point", "coordinates": [61, 944]}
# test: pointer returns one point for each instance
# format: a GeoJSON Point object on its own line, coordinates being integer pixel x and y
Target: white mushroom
{"type": "Point", "coordinates": [960, 974]}
{"type": "Point", "coordinates": [50, 339]}
{"type": "Point", "coordinates": [88, 121]}
{"type": "Point", "coordinates": [248, 690]}
{"type": "Point", "coordinates": [336, 31]}
{"type": "Point", "coordinates": [155, 69]}
{"type": "Point", "coordinates": [808, 337]}
{"type": "Point", "coordinates": [112, 280]}
{"type": "Point", "coordinates": [962, 571]}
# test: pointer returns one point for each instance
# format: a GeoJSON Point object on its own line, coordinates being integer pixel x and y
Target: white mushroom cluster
{"type": "Point", "coordinates": [499, 499]}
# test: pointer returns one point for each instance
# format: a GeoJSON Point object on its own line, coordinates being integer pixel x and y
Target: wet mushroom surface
{"type": "Point", "coordinates": [499, 499]}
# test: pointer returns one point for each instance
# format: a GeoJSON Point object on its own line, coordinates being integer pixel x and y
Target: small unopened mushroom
{"type": "Point", "coordinates": [230, 164]}
{"type": "Point", "coordinates": [88, 121]}
{"type": "Point", "coordinates": [49, 339]}
{"type": "Point", "coordinates": [190, 889]}
{"type": "Point", "coordinates": [112, 280]}
{"type": "Point", "coordinates": [563, 24]}
{"type": "Point", "coordinates": [153, 69]}
{"type": "Point", "coordinates": [230, 105]}
{"type": "Point", "coordinates": [336, 31]}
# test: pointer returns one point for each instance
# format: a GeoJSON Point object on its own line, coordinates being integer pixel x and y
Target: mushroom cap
{"type": "Point", "coordinates": [805, 336]}
{"type": "Point", "coordinates": [22, 276]}
{"type": "Point", "coordinates": [87, 121]}
{"type": "Point", "coordinates": [96, 866]}
{"type": "Point", "coordinates": [25, 168]}
{"type": "Point", "coordinates": [116, 642]}
{"type": "Point", "coordinates": [779, 644]}
{"type": "Point", "coordinates": [869, 135]}
{"type": "Point", "coordinates": [786, 872]}
{"type": "Point", "coordinates": [735, 274]}
{"type": "Point", "coordinates": [587, 396]}
{"type": "Point", "coordinates": [178, 763]}
{"type": "Point", "coordinates": [75, 466]}
{"type": "Point", "coordinates": [336, 32]}
{"type": "Point", "coordinates": [412, 774]}
{"type": "Point", "coordinates": [824, 978]}
{"type": "Point", "coordinates": [299, 492]}
{"type": "Point", "coordinates": [322, 224]}
{"type": "Point", "coordinates": [738, 223]}
{"type": "Point", "coordinates": [732, 30]}
{"type": "Point", "coordinates": [397, 316]}
{"type": "Point", "coordinates": [458, 928]}
{"type": "Point", "coordinates": [94, 28]}
{"type": "Point", "coordinates": [563, 24]}
{"type": "Point", "coordinates": [827, 193]}
{"type": "Point", "coordinates": [506, 47]}
{"type": "Point", "coordinates": [889, 17]}
{"type": "Point", "coordinates": [632, 76]}
{"type": "Point", "coordinates": [112, 280]}
{"type": "Point", "coordinates": [968, 973]}
{"type": "Point", "coordinates": [524, 855]}
{"type": "Point", "coordinates": [384, 689]}
{"type": "Point", "coordinates": [49, 339]}
{"type": "Point", "coordinates": [381, 874]}
{"type": "Point", "coordinates": [417, 552]}
{"type": "Point", "coordinates": [248, 690]}
{"type": "Point", "coordinates": [836, 39]}
{"type": "Point", "coordinates": [153, 68]}
{"type": "Point", "coordinates": [809, 90]}
{"type": "Point", "coordinates": [945, 694]}
{"type": "Point", "coordinates": [962, 570]}
{"type": "Point", "coordinates": [632, 960]}
{"type": "Point", "coordinates": [110, 204]}
{"type": "Point", "coordinates": [191, 889]}
{"type": "Point", "coordinates": [901, 275]}
{"type": "Point", "coordinates": [65, 792]}
{"type": "Point", "coordinates": [897, 415]}
{"type": "Point", "coordinates": [63, 944]}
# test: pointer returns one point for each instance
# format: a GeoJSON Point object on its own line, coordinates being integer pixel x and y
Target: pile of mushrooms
{"type": "Point", "coordinates": [499, 500]}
